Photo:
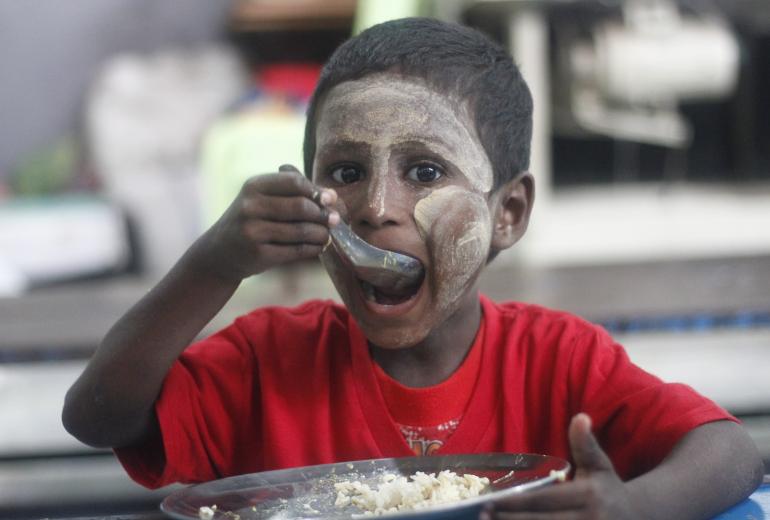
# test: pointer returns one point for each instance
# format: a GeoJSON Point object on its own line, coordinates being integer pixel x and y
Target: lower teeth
{"type": "Point", "coordinates": [369, 291]}
{"type": "Point", "coordinates": [372, 294]}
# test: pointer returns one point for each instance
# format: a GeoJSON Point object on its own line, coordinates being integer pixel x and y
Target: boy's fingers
{"type": "Point", "coordinates": [285, 253]}
{"type": "Point", "coordinates": [315, 195]}
{"type": "Point", "coordinates": [289, 181]}
{"type": "Point", "coordinates": [586, 451]}
{"type": "Point", "coordinates": [322, 197]}
{"type": "Point", "coordinates": [284, 233]}
{"type": "Point", "coordinates": [288, 168]}
{"type": "Point", "coordinates": [285, 183]}
{"type": "Point", "coordinates": [284, 209]}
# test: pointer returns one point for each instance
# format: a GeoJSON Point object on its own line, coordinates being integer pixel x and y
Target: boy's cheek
{"type": "Point", "coordinates": [457, 230]}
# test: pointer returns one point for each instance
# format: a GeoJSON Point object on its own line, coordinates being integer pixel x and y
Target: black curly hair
{"type": "Point", "coordinates": [452, 59]}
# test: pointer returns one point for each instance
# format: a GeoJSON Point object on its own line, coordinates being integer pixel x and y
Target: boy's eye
{"type": "Point", "coordinates": [346, 174]}
{"type": "Point", "coordinates": [424, 173]}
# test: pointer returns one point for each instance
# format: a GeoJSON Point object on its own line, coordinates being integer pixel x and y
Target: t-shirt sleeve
{"type": "Point", "coordinates": [207, 410]}
{"type": "Point", "coordinates": [636, 416]}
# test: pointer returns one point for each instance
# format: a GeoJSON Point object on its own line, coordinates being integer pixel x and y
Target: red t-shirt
{"type": "Point", "coordinates": [291, 387]}
{"type": "Point", "coordinates": [428, 416]}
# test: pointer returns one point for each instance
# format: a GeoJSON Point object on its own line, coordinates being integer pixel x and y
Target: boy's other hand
{"type": "Point", "coordinates": [275, 219]}
{"type": "Point", "coordinates": [596, 492]}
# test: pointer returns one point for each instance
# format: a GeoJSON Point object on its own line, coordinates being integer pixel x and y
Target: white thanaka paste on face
{"type": "Point", "coordinates": [458, 254]}
{"type": "Point", "coordinates": [378, 187]}
{"type": "Point", "coordinates": [428, 209]}
{"type": "Point", "coordinates": [399, 111]}
{"type": "Point", "coordinates": [464, 261]}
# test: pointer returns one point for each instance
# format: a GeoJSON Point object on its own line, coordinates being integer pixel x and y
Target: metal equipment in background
{"type": "Point", "coordinates": [628, 77]}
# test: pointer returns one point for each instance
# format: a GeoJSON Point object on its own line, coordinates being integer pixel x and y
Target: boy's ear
{"type": "Point", "coordinates": [512, 210]}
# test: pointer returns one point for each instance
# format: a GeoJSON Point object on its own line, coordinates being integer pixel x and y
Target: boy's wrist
{"type": "Point", "coordinates": [201, 265]}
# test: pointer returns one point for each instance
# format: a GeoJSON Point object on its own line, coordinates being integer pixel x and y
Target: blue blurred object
{"type": "Point", "coordinates": [745, 319]}
{"type": "Point", "coordinates": [756, 507]}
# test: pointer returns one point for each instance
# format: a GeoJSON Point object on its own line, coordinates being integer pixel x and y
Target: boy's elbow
{"type": "Point", "coordinates": [76, 420]}
{"type": "Point", "coordinates": [73, 421]}
{"type": "Point", "coordinates": [751, 464]}
{"type": "Point", "coordinates": [758, 472]}
{"type": "Point", "coordinates": [99, 425]}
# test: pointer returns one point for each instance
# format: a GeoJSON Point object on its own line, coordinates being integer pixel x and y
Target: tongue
{"type": "Point", "coordinates": [389, 295]}
{"type": "Point", "coordinates": [385, 297]}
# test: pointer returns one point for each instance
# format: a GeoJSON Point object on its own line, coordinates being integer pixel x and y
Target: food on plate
{"type": "Point", "coordinates": [396, 493]}
{"type": "Point", "coordinates": [207, 513]}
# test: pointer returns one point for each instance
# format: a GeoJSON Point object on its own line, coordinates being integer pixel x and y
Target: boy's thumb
{"type": "Point", "coordinates": [288, 168]}
{"type": "Point", "coordinates": [586, 451]}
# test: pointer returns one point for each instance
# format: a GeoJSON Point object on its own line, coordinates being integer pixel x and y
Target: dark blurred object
{"type": "Point", "coordinates": [751, 109]}
{"type": "Point", "coordinates": [295, 31]}
{"type": "Point", "coordinates": [750, 15]}
{"type": "Point", "coordinates": [280, 15]}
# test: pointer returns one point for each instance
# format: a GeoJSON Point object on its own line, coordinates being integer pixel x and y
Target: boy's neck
{"type": "Point", "coordinates": [442, 352]}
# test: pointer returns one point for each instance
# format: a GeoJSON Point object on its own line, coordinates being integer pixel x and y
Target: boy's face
{"type": "Point", "coordinates": [413, 177]}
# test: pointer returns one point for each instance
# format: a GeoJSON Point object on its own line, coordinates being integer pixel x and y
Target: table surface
{"type": "Point", "coordinates": [74, 317]}
{"type": "Point", "coordinates": [756, 507]}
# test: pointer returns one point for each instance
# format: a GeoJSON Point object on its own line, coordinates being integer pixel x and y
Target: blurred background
{"type": "Point", "coordinates": [127, 127]}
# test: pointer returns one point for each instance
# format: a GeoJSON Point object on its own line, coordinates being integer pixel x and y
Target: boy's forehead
{"type": "Point", "coordinates": [382, 93]}
{"type": "Point", "coordinates": [403, 84]}
{"type": "Point", "coordinates": [389, 110]}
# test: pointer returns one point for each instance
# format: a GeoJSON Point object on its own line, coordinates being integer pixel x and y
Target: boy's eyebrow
{"type": "Point", "coordinates": [434, 146]}
{"type": "Point", "coordinates": [343, 146]}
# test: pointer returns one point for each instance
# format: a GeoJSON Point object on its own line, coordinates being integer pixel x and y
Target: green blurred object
{"type": "Point", "coordinates": [243, 145]}
{"type": "Point", "coordinates": [371, 12]}
{"type": "Point", "coordinates": [49, 171]}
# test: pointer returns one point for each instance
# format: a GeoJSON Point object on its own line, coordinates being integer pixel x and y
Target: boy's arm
{"type": "Point", "coordinates": [111, 403]}
{"type": "Point", "coordinates": [274, 220]}
{"type": "Point", "coordinates": [713, 467]}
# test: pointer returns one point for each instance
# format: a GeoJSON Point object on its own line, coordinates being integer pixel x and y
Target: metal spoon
{"type": "Point", "coordinates": [376, 266]}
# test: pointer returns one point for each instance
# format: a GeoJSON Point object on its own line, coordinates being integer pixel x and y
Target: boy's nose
{"type": "Point", "coordinates": [383, 204]}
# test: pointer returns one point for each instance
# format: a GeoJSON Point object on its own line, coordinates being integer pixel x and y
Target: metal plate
{"type": "Point", "coordinates": [308, 492]}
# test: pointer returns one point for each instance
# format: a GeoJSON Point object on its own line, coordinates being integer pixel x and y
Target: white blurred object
{"type": "Point", "coordinates": [145, 119]}
{"type": "Point", "coordinates": [12, 281]}
{"type": "Point", "coordinates": [630, 77]}
{"type": "Point", "coordinates": [666, 59]}
{"type": "Point", "coordinates": [44, 240]}
{"type": "Point", "coordinates": [31, 399]}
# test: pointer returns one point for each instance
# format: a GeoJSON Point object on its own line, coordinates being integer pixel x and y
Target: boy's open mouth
{"type": "Point", "coordinates": [382, 295]}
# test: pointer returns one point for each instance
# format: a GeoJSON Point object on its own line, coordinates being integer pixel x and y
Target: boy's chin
{"type": "Point", "coordinates": [392, 339]}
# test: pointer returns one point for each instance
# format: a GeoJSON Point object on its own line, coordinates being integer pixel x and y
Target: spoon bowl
{"type": "Point", "coordinates": [379, 267]}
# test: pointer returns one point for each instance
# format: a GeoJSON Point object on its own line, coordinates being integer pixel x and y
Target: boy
{"type": "Point", "coordinates": [418, 136]}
